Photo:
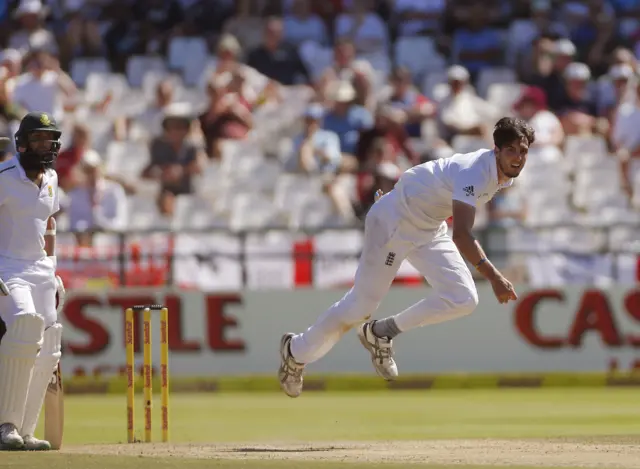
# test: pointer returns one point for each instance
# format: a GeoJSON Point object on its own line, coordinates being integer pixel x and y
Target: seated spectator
{"type": "Point", "coordinates": [96, 203]}
{"type": "Point", "coordinates": [347, 68]}
{"type": "Point", "coordinates": [405, 96]}
{"type": "Point", "coordinates": [625, 136]}
{"type": "Point", "coordinates": [174, 159]}
{"type": "Point", "coordinates": [477, 45]}
{"type": "Point", "coordinates": [124, 36]}
{"type": "Point", "coordinates": [593, 33]}
{"type": "Point", "coordinates": [276, 59]}
{"type": "Point", "coordinates": [160, 20]}
{"type": "Point", "coordinates": [30, 15]}
{"type": "Point", "coordinates": [552, 81]}
{"type": "Point", "coordinates": [70, 157]}
{"type": "Point", "coordinates": [317, 151]}
{"type": "Point", "coordinates": [81, 38]}
{"type": "Point", "coordinates": [600, 41]}
{"type": "Point", "coordinates": [535, 61]}
{"type": "Point", "coordinates": [578, 108]}
{"type": "Point", "coordinates": [148, 124]}
{"type": "Point", "coordinates": [389, 126]}
{"type": "Point", "coordinates": [304, 25]}
{"type": "Point", "coordinates": [462, 112]}
{"type": "Point", "coordinates": [619, 88]}
{"type": "Point", "coordinates": [346, 119]}
{"type": "Point", "coordinates": [45, 87]}
{"type": "Point", "coordinates": [344, 55]}
{"type": "Point", "coordinates": [228, 54]}
{"type": "Point", "coordinates": [228, 115]}
{"type": "Point", "coordinates": [363, 27]}
{"type": "Point", "coordinates": [532, 107]}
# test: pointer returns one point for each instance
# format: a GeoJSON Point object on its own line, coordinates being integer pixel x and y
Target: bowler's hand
{"type": "Point", "coordinates": [503, 289]}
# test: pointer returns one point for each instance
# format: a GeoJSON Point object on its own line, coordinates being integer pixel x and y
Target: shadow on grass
{"type": "Point", "coordinates": [284, 450]}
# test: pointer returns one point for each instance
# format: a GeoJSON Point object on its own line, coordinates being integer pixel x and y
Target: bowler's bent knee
{"type": "Point", "coordinates": [357, 307]}
{"type": "Point", "coordinates": [464, 301]}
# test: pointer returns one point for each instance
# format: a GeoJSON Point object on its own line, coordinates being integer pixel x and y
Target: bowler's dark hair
{"type": "Point", "coordinates": [509, 129]}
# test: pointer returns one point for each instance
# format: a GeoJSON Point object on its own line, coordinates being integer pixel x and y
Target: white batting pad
{"type": "Point", "coordinates": [45, 364]}
{"type": "Point", "coordinates": [18, 352]}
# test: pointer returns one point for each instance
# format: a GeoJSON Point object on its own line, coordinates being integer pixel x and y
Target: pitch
{"type": "Point", "coordinates": [385, 429]}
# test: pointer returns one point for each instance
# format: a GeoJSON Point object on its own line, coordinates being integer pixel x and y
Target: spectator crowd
{"type": "Point", "coordinates": [250, 113]}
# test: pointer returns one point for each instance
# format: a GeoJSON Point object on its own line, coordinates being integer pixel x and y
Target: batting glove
{"type": "Point", "coordinates": [60, 294]}
{"type": "Point", "coordinates": [4, 290]}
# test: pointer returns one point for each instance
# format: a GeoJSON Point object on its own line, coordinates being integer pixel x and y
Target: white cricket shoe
{"type": "Point", "coordinates": [290, 372]}
{"type": "Point", "coordinates": [381, 351]}
{"type": "Point", "coordinates": [10, 439]}
{"type": "Point", "coordinates": [31, 443]}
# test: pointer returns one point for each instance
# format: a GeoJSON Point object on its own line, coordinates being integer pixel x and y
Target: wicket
{"type": "Point", "coordinates": [147, 369]}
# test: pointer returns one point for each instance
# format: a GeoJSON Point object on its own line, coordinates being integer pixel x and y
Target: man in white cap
{"type": "Point", "coordinates": [30, 14]}
{"type": "Point", "coordinates": [462, 112]}
{"type": "Point", "coordinates": [578, 108]}
{"type": "Point", "coordinates": [97, 203]}
{"type": "Point", "coordinates": [409, 222]}
{"type": "Point", "coordinates": [618, 89]}
{"type": "Point", "coordinates": [346, 118]}
{"type": "Point", "coordinates": [563, 51]}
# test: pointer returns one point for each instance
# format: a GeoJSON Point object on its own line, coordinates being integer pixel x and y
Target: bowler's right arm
{"type": "Point", "coordinates": [463, 219]}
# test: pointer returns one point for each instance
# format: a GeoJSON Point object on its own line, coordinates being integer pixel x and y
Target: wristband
{"type": "Point", "coordinates": [50, 232]}
{"type": "Point", "coordinates": [482, 261]}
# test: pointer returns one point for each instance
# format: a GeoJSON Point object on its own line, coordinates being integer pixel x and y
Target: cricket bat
{"type": "Point", "coordinates": [54, 410]}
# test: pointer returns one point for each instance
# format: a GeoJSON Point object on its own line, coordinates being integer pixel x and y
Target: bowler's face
{"type": "Point", "coordinates": [512, 157]}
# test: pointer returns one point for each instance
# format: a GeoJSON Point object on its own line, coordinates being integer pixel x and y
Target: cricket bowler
{"type": "Point", "coordinates": [409, 222]}
{"type": "Point", "coordinates": [30, 346]}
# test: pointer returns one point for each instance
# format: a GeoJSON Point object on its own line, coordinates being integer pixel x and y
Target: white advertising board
{"type": "Point", "coordinates": [238, 333]}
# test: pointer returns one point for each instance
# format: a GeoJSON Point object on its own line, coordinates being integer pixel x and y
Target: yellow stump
{"type": "Point", "coordinates": [147, 375]}
{"type": "Point", "coordinates": [129, 328]}
{"type": "Point", "coordinates": [164, 371]}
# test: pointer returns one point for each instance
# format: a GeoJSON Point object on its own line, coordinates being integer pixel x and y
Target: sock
{"type": "Point", "coordinates": [385, 328]}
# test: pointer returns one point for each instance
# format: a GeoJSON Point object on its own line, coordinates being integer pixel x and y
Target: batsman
{"type": "Point", "coordinates": [30, 292]}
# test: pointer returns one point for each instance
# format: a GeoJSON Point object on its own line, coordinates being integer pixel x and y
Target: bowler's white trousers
{"type": "Point", "coordinates": [389, 239]}
{"type": "Point", "coordinates": [33, 289]}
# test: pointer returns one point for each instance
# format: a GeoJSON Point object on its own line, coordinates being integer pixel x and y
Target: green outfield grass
{"type": "Point", "coordinates": [609, 415]}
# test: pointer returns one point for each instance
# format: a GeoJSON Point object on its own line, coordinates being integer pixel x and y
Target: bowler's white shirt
{"type": "Point", "coordinates": [426, 192]}
{"type": "Point", "coordinates": [108, 213]}
{"type": "Point", "coordinates": [24, 211]}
